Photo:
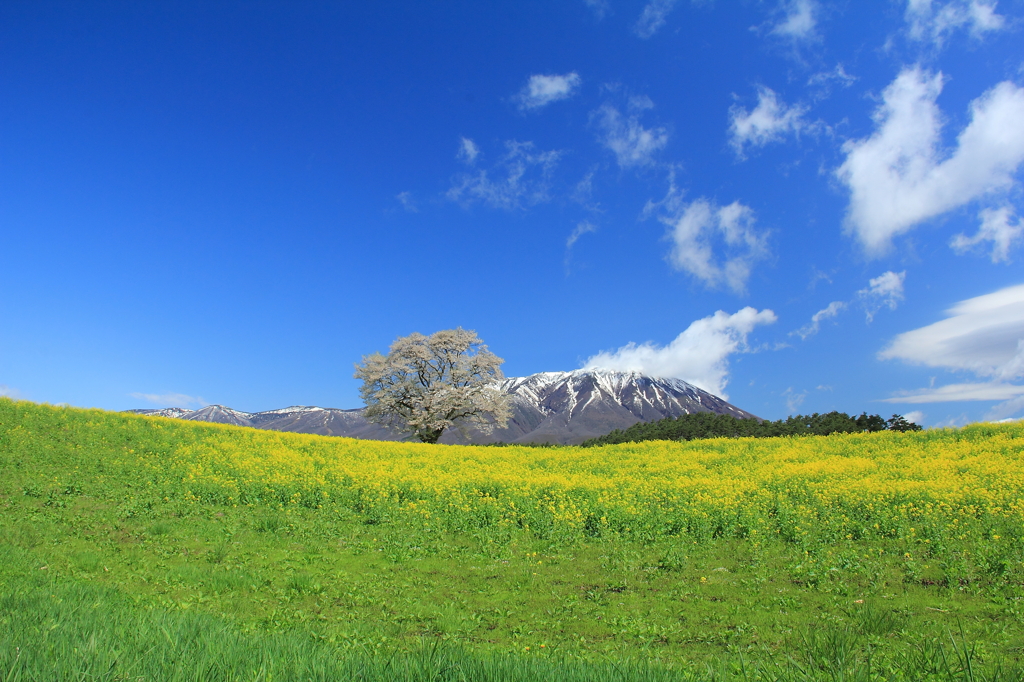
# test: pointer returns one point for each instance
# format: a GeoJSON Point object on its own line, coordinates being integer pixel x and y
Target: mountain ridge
{"type": "Point", "coordinates": [547, 407]}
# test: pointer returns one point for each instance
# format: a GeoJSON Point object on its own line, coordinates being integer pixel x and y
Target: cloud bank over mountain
{"type": "Point", "coordinates": [699, 355]}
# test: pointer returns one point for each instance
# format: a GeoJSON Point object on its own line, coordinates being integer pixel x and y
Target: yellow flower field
{"type": "Point", "coordinates": [928, 487]}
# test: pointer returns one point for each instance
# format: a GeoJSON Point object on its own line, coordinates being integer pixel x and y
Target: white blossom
{"type": "Point", "coordinates": [426, 384]}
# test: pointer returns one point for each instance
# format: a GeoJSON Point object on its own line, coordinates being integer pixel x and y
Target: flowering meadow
{"type": "Point", "coordinates": [857, 556]}
{"type": "Point", "coordinates": [931, 490]}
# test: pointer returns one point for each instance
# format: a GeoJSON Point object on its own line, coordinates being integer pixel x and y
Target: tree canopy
{"type": "Point", "coordinates": [426, 384]}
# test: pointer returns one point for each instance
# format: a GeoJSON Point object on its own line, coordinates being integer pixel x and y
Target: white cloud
{"type": "Point", "coordinates": [170, 399]}
{"type": "Point", "coordinates": [700, 355]}
{"type": "Point", "coordinates": [997, 227]}
{"type": "Point", "coordinates": [653, 17]}
{"type": "Point", "coordinates": [770, 121]}
{"type": "Point", "coordinates": [542, 90]}
{"type": "Point", "coordinates": [408, 203]}
{"type": "Point", "coordinates": [917, 416]}
{"type": "Point", "coordinates": [799, 20]}
{"type": "Point", "coordinates": [934, 22]}
{"type": "Point", "coordinates": [951, 393]}
{"type": "Point", "coordinates": [523, 176]}
{"type": "Point", "coordinates": [983, 335]}
{"type": "Point", "coordinates": [884, 291]}
{"type": "Point", "coordinates": [632, 144]}
{"type": "Point", "coordinates": [716, 244]}
{"type": "Point", "coordinates": [468, 151]}
{"type": "Point", "coordinates": [897, 176]}
{"type": "Point", "coordinates": [827, 313]}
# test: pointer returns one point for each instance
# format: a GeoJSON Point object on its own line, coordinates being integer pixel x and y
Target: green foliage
{"type": "Point", "coordinates": [711, 425]}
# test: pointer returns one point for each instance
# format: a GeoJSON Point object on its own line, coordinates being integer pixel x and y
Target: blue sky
{"type": "Point", "coordinates": [800, 205]}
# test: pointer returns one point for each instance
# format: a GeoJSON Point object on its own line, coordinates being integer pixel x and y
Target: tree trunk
{"type": "Point", "coordinates": [430, 436]}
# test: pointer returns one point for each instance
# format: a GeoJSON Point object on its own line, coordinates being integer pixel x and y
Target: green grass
{"type": "Point", "coordinates": [57, 630]}
{"type": "Point", "coordinates": [100, 578]}
{"type": "Point", "coordinates": [64, 631]}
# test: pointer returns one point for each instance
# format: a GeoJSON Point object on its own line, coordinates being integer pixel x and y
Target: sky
{"type": "Point", "coordinates": [798, 205]}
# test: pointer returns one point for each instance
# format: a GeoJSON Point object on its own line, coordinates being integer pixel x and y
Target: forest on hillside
{"type": "Point", "coordinates": [712, 425]}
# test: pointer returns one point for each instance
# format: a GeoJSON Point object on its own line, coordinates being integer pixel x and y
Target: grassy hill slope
{"type": "Point", "coordinates": [135, 547]}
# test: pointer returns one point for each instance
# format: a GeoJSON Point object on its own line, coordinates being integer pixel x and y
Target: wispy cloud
{"type": "Point", "coordinates": [794, 399]}
{"type": "Point", "coordinates": [821, 83]}
{"type": "Point", "coordinates": [998, 227]}
{"type": "Point", "coordinates": [699, 355]}
{"type": "Point", "coordinates": [954, 393]}
{"type": "Point", "coordinates": [814, 326]}
{"type": "Point", "coordinates": [799, 20]}
{"type": "Point", "coordinates": [541, 90]}
{"type": "Point", "coordinates": [884, 291]}
{"type": "Point", "coordinates": [583, 227]}
{"type": "Point", "coordinates": [653, 17]}
{"type": "Point", "coordinates": [407, 202]}
{"type": "Point", "coordinates": [836, 75]}
{"type": "Point", "coordinates": [8, 392]}
{"type": "Point", "coordinates": [933, 22]}
{"type": "Point", "coordinates": [583, 192]}
{"type": "Point", "coordinates": [600, 8]}
{"type": "Point", "coordinates": [170, 399]}
{"type": "Point", "coordinates": [769, 121]}
{"type": "Point", "coordinates": [632, 143]}
{"type": "Point", "coordinates": [468, 151]}
{"type": "Point", "coordinates": [897, 177]}
{"type": "Point", "coordinates": [1005, 409]}
{"type": "Point", "coordinates": [520, 178]}
{"type": "Point", "coordinates": [718, 245]}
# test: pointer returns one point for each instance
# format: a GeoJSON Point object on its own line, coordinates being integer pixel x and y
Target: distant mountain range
{"type": "Point", "coordinates": [550, 407]}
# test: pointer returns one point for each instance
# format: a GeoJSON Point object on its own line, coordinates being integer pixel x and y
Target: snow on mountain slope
{"type": "Point", "coordinates": [569, 407]}
{"type": "Point", "coordinates": [554, 407]}
{"type": "Point", "coordinates": [174, 412]}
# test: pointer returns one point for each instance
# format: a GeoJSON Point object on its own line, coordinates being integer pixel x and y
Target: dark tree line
{"type": "Point", "coordinates": [711, 425]}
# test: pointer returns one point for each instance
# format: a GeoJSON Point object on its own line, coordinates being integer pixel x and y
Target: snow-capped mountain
{"type": "Point", "coordinates": [570, 407]}
{"type": "Point", "coordinates": [325, 421]}
{"type": "Point", "coordinates": [549, 407]}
